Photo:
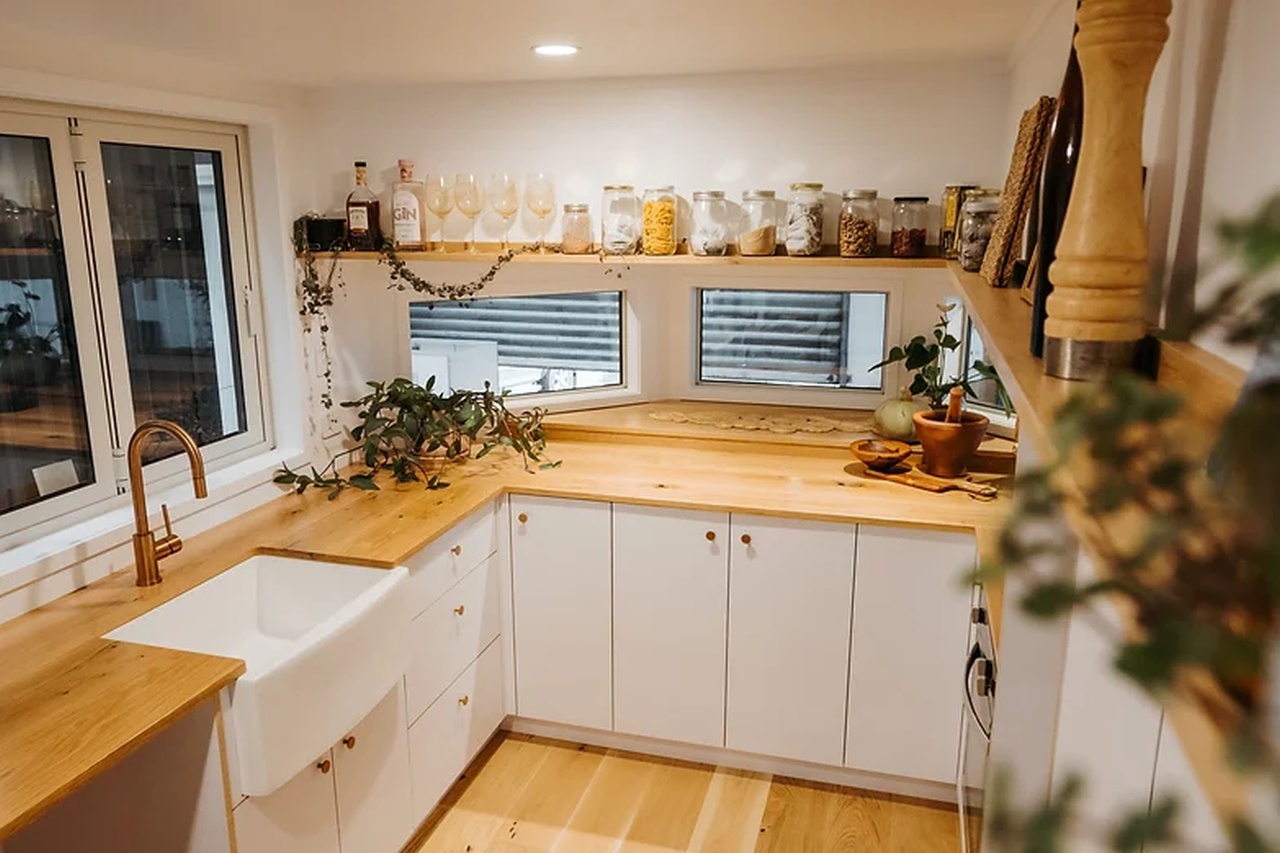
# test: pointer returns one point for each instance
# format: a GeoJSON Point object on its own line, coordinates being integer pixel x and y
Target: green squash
{"type": "Point", "coordinates": [893, 418]}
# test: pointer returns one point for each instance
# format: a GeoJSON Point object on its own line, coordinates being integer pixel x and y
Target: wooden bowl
{"type": "Point", "coordinates": [880, 454]}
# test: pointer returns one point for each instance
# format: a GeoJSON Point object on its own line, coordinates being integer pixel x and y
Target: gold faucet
{"type": "Point", "coordinates": [147, 550]}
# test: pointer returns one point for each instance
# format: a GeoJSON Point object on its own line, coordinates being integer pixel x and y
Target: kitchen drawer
{"type": "Point", "coordinates": [445, 739]}
{"type": "Point", "coordinates": [451, 633]}
{"type": "Point", "coordinates": [437, 567]}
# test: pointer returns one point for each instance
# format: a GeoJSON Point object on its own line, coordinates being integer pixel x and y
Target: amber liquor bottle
{"type": "Point", "coordinates": [364, 228]}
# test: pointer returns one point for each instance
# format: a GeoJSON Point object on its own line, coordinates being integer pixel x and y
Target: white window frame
{"type": "Point", "coordinates": [101, 347]}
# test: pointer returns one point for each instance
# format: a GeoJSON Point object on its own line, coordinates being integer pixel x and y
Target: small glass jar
{"type": "Point", "coordinates": [859, 224]}
{"type": "Point", "coordinates": [576, 236]}
{"type": "Point", "coordinates": [977, 223]}
{"type": "Point", "coordinates": [658, 216]}
{"type": "Point", "coordinates": [710, 232]}
{"type": "Point", "coordinates": [910, 226]}
{"type": "Point", "coordinates": [620, 220]}
{"type": "Point", "coordinates": [758, 235]}
{"type": "Point", "coordinates": [804, 220]}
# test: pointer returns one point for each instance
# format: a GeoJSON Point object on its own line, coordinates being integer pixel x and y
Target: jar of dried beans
{"type": "Point", "coordinates": [859, 224]}
{"type": "Point", "coordinates": [659, 221]}
{"type": "Point", "coordinates": [804, 219]}
{"type": "Point", "coordinates": [977, 223]}
{"type": "Point", "coordinates": [759, 232]}
{"type": "Point", "coordinates": [910, 226]}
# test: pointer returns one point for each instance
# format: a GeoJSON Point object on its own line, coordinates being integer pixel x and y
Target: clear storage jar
{"type": "Point", "coordinates": [758, 234]}
{"type": "Point", "coordinates": [709, 234]}
{"type": "Point", "coordinates": [576, 237]}
{"type": "Point", "coordinates": [977, 223]}
{"type": "Point", "coordinates": [620, 220]}
{"type": "Point", "coordinates": [910, 226]}
{"type": "Point", "coordinates": [859, 224]}
{"type": "Point", "coordinates": [804, 219]}
{"type": "Point", "coordinates": [658, 215]}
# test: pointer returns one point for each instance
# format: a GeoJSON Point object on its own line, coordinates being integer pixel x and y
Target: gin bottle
{"type": "Point", "coordinates": [407, 199]}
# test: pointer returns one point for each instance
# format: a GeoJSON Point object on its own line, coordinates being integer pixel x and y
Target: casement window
{"type": "Point", "coordinates": [813, 339]}
{"type": "Point", "coordinates": [519, 344]}
{"type": "Point", "coordinates": [126, 294]}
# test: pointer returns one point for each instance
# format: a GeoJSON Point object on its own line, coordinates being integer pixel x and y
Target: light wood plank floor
{"type": "Point", "coordinates": [526, 794]}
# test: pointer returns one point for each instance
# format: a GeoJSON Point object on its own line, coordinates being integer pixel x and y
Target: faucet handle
{"type": "Point", "coordinates": [170, 544]}
{"type": "Point", "coordinates": [168, 525]}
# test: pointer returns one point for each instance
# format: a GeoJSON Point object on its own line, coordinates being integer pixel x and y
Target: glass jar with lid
{"type": "Point", "coordinates": [977, 223]}
{"type": "Point", "coordinates": [620, 220]}
{"type": "Point", "coordinates": [758, 235]}
{"type": "Point", "coordinates": [576, 237]}
{"type": "Point", "coordinates": [804, 219]}
{"type": "Point", "coordinates": [709, 234]}
{"type": "Point", "coordinates": [859, 224]}
{"type": "Point", "coordinates": [910, 226]}
{"type": "Point", "coordinates": [658, 221]}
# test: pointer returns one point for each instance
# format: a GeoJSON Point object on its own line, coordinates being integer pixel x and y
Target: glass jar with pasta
{"type": "Point", "coordinates": [658, 217]}
{"type": "Point", "coordinates": [804, 219]}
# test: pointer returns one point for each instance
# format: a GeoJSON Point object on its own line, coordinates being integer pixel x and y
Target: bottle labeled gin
{"type": "Point", "coordinates": [364, 229]}
{"type": "Point", "coordinates": [406, 209]}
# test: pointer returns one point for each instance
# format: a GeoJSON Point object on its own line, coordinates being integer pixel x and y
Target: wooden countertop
{"type": "Point", "coordinates": [72, 704]}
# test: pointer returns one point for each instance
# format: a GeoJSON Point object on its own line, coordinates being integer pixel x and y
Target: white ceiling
{"type": "Point", "coordinates": [321, 43]}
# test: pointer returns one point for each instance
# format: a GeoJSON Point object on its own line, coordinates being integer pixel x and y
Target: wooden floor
{"type": "Point", "coordinates": [526, 794]}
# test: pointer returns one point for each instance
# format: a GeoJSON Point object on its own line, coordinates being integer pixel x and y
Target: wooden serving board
{"type": "Point", "coordinates": [909, 475]}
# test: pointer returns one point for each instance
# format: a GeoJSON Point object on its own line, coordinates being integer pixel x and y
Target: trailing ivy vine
{"type": "Point", "coordinates": [316, 292]}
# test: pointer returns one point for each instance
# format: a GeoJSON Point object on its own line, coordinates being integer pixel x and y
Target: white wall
{"type": "Point", "coordinates": [1039, 60]}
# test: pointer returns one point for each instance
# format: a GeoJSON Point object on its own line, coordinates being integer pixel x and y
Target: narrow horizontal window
{"type": "Point", "coordinates": [519, 344]}
{"type": "Point", "coordinates": [815, 339]}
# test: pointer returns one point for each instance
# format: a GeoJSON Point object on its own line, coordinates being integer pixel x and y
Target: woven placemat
{"type": "Point", "coordinates": [780, 424]}
{"type": "Point", "coordinates": [1020, 186]}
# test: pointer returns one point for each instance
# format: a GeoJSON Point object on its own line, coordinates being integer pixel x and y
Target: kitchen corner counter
{"type": "Point", "coordinates": [72, 704]}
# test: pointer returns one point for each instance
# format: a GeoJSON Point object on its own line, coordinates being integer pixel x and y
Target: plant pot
{"type": "Point", "coordinates": [948, 447]}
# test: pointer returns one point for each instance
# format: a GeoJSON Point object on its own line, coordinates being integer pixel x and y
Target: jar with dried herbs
{"type": "Point", "coordinates": [804, 219]}
{"type": "Point", "coordinates": [659, 221]}
{"type": "Point", "coordinates": [758, 235]}
{"type": "Point", "coordinates": [859, 224]}
{"type": "Point", "coordinates": [910, 226]}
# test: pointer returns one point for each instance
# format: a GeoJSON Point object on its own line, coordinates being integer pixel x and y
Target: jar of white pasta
{"type": "Point", "coordinates": [710, 232]}
{"type": "Point", "coordinates": [658, 215]}
{"type": "Point", "coordinates": [804, 219]}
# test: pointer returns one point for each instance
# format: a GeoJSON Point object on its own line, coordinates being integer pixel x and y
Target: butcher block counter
{"type": "Point", "coordinates": [72, 704]}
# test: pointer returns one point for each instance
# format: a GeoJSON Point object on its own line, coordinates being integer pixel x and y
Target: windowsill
{"type": "Point", "coordinates": [229, 496]}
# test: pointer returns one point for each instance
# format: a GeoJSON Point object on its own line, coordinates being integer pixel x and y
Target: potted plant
{"type": "Point", "coordinates": [946, 446]}
{"type": "Point", "coordinates": [28, 359]}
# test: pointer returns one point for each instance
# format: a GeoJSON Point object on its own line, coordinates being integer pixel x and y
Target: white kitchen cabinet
{"type": "Point", "coordinates": [790, 603]}
{"type": "Point", "coordinates": [371, 772]}
{"type": "Point", "coordinates": [298, 817]}
{"type": "Point", "coordinates": [670, 606]}
{"type": "Point", "coordinates": [910, 625]}
{"type": "Point", "coordinates": [562, 593]}
{"type": "Point", "coordinates": [1197, 824]}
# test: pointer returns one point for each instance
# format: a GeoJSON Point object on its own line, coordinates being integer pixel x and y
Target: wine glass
{"type": "Point", "coordinates": [469, 196]}
{"type": "Point", "coordinates": [505, 201]}
{"type": "Point", "coordinates": [439, 201]}
{"type": "Point", "coordinates": [540, 198]}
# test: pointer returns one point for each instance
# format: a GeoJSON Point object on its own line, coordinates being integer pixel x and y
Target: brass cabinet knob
{"type": "Point", "coordinates": [324, 766]}
{"type": "Point", "coordinates": [746, 539]}
{"type": "Point", "coordinates": [460, 609]}
{"type": "Point", "coordinates": [349, 741]}
{"type": "Point", "coordinates": [456, 550]}
{"type": "Point", "coordinates": [711, 536]}
{"type": "Point", "coordinates": [464, 700]}
{"type": "Point", "coordinates": [522, 518]}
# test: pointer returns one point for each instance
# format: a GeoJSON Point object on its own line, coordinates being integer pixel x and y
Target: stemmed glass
{"type": "Point", "coordinates": [505, 201]}
{"type": "Point", "coordinates": [469, 196]}
{"type": "Point", "coordinates": [540, 198]}
{"type": "Point", "coordinates": [439, 202]}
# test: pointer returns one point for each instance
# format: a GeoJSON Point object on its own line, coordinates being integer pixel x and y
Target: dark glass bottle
{"type": "Point", "coordinates": [1059, 173]}
{"type": "Point", "coordinates": [364, 228]}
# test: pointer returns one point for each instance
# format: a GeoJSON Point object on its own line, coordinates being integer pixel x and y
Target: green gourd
{"type": "Point", "coordinates": [893, 418]}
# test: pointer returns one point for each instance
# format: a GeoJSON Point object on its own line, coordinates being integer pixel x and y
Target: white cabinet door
{"type": "Point", "coordinates": [910, 625]}
{"type": "Point", "coordinates": [298, 817]}
{"type": "Point", "coordinates": [562, 593]}
{"type": "Point", "coordinates": [1198, 824]}
{"type": "Point", "coordinates": [790, 603]}
{"type": "Point", "coordinates": [371, 770]}
{"type": "Point", "coordinates": [670, 606]}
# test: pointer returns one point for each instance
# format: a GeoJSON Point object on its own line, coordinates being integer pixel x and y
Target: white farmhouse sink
{"type": "Point", "coordinates": [322, 644]}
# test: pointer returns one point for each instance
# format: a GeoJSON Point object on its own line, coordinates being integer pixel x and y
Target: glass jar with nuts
{"type": "Point", "coordinates": [859, 224]}
{"type": "Point", "coordinates": [658, 221]}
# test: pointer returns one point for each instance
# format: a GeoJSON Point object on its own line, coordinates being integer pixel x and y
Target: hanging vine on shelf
{"type": "Point", "coordinates": [316, 294]}
{"type": "Point", "coordinates": [403, 278]}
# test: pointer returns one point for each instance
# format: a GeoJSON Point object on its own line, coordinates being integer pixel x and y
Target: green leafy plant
{"type": "Point", "coordinates": [27, 358]}
{"type": "Point", "coordinates": [411, 432]}
{"type": "Point", "coordinates": [926, 357]}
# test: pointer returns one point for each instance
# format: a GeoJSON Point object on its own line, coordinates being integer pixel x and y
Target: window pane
{"type": "Point", "coordinates": [984, 390]}
{"type": "Point", "coordinates": [521, 344]}
{"type": "Point", "coordinates": [44, 435]}
{"type": "Point", "coordinates": [792, 337]}
{"type": "Point", "coordinates": [173, 265]}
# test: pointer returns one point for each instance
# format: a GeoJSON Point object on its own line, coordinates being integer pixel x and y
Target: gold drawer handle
{"type": "Point", "coordinates": [349, 741]}
{"type": "Point", "coordinates": [522, 518]}
{"type": "Point", "coordinates": [464, 700]}
{"type": "Point", "coordinates": [456, 550]}
{"type": "Point", "coordinates": [746, 539]}
{"type": "Point", "coordinates": [711, 536]}
{"type": "Point", "coordinates": [459, 610]}
{"type": "Point", "coordinates": [324, 766]}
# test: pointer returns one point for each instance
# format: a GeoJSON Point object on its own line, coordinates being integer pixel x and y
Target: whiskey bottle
{"type": "Point", "coordinates": [364, 229]}
{"type": "Point", "coordinates": [406, 209]}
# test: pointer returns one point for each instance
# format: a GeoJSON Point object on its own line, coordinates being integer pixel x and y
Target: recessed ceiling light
{"type": "Point", "coordinates": [555, 49]}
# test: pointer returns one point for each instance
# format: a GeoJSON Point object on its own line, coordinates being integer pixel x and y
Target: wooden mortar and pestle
{"type": "Point", "coordinates": [949, 437]}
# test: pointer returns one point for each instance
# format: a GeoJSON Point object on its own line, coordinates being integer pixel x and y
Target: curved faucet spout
{"type": "Point", "coordinates": [147, 551]}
